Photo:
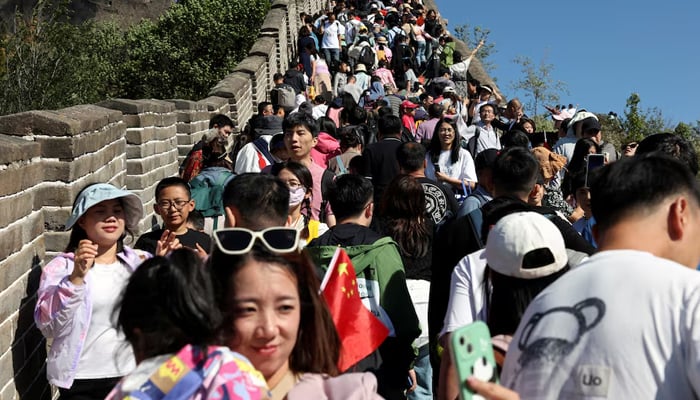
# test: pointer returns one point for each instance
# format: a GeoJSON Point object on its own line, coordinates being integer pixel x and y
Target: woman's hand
{"type": "Point", "coordinates": [442, 177]}
{"type": "Point", "coordinates": [414, 381]}
{"type": "Point", "coordinates": [83, 261]}
{"type": "Point", "coordinates": [491, 391]}
{"type": "Point", "coordinates": [168, 242]}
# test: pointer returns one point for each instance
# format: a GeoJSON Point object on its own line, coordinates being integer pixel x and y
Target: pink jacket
{"type": "Point", "coordinates": [326, 148]}
{"type": "Point", "coordinates": [63, 312]}
{"type": "Point", "coordinates": [386, 76]}
{"type": "Point", "coordinates": [352, 386]}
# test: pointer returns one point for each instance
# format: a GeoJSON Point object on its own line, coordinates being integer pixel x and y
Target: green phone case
{"type": "Point", "coordinates": [472, 354]}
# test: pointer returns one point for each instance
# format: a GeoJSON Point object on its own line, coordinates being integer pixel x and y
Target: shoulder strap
{"type": "Point", "coordinates": [476, 220]}
{"type": "Point", "coordinates": [341, 165]}
{"type": "Point", "coordinates": [262, 145]}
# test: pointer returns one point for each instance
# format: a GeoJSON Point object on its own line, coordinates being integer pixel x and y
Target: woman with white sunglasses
{"type": "Point", "coordinates": [273, 313]}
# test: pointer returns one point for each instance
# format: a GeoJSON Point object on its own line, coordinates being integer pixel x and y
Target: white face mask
{"type": "Point", "coordinates": [296, 195]}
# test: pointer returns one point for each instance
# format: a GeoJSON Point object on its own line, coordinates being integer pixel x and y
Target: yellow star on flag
{"type": "Point", "coordinates": [343, 268]}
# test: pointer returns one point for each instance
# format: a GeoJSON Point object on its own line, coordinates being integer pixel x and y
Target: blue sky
{"type": "Point", "coordinates": [603, 50]}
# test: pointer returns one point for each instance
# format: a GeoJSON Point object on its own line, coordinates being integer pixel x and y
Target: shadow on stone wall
{"type": "Point", "coordinates": [29, 345]}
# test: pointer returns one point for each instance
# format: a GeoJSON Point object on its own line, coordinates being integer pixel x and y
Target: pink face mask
{"type": "Point", "coordinates": [296, 195]}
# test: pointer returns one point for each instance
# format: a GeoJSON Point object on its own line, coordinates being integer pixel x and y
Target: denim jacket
{"type": "Point", "coordinates": [63, 312]}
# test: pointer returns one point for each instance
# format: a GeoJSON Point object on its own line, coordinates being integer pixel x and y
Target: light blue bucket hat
{"type": "Point", "coordinates": [133, 208]}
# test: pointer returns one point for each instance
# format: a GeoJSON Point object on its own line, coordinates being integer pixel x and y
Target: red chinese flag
{"type": "Point", "coordinates": [360, 331]}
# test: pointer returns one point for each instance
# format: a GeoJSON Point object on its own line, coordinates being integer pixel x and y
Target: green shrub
{"type": "Point", "coordinates": [48, 63]}
{"type": "Point", "coordinates": [190, 48]}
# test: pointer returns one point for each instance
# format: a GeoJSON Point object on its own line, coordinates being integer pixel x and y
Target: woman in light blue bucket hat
{"type": "Point", "coordinates": [80, 288]}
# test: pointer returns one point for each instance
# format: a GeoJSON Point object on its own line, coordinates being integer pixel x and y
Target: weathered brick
{"type": "Point", "coordinates": [166, 119]}
{"type": "Point", "coordinates": [216, 104]}
{"type": "Point", "coordinates": [193, 127]}
{"type": "Point", "coordinates": [91, 117]}
{"type": "Point", "coordinates": [233, 87]}
{"type": "Point", "coordinates": [143, 165]}
{"type": "Point", "coordinates": [20, 177]}
{"type": "Point", "coordinates": [264, 46]}
{"type": "Point", "coordinates": [56, 241]}
{"type": "Point", "coordinates": [11, 298]}
{"type": "Point", "coordinates": [7, 333]}
{"type": "Point", "coordinates": [71, 147]}
{"type": "Point", "coordinates": [164, 132]}
{"type": "Point", "coordinates": [84, 165]}
{"type": "Point", "coordinates": [188, 105]}
{"type": "Point", "coordinates": [154, 147]}
{"type": "Point", "coordinates": [19, 263]}
{"type": "Point", "coordinates": [39, 123]}
{"type": "Point", "coordinates": [15, 207]}
{"type": "Point", "coordinates": [14, 149]}
{"type": "Point", "coordinates": [193, 116]}
{"type": "Point", "coordinates": [134, 182]}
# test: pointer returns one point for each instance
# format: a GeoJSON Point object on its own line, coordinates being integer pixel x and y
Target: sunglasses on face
{"type": "Point", "coordinates": [630, 146]}
{"type": "Point", "coordinates": [235, 241]}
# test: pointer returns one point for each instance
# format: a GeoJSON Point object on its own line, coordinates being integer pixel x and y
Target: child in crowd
{"type": "Point", "coordinates": [174, 204]}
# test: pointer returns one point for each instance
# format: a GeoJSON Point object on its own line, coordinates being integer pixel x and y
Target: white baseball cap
{"type": "Point", "coordinates": [512, 241]}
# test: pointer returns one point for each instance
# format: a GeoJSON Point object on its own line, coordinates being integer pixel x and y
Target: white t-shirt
{"type": "Point", "coordinates": [625, 325]}
{"type": "Point", "coordinates": [330, 35]}
{"type": "Point", "coordinates": [467, 295]}
{"type": "Point", "coordinates": [249, 157]}
{"type": "Point", "coordinates": [105, 354]}
{"type": "Point", "coordinates": [462, 169]}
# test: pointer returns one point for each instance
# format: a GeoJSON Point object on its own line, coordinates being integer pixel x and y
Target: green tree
{"type": "Point", "coordinates": [634, 122]}
{"type": "Point", "coordinates": [50, 63]}
{"type": "Point", "coordinates": [537, 84]}
{"type": "Point", "coordinates": [684, 130]}
{"type": "Point", "coordinates": [190, 48]}
{"type": "Point", "coordinates": [472, 36]}
{"type": "Point", "coordinates": [639, 123]}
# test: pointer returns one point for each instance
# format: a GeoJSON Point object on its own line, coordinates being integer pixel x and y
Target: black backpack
{"type": "Point", "coordinates": [366, 56]}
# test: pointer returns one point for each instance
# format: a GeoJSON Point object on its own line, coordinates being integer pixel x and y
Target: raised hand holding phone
{"type": "Point", "coordinates": [472, 354]}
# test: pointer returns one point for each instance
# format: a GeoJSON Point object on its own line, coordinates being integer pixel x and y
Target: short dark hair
{"type": "Point", "coordinates": [172, 181]}
{"type": "Point", "coordinates": [410, 156]}
{"type": "Point", "coordinates": [262, 200]}
{"type": "Point", "coordinates": [515, 138]}
{"type": "Point", "coordinates": [351, 138]}
{"type": "Point", "coordinates": [349, 195]}
{"type": "Point", "coordinates": [435, 110]}
{"type": "Point", "coordinates": [672, 145]}
{"type": "Point", "coordinates": [515, 172]}
{"type": "Point", "coordinates": [196, 218]}
{"type": "Point", "coordinates": [389, 125]}
{"type": "Point", "coordinates": [493, 107]}
{"type": "Point", "coordinates": [171, 303]}
{"type": "Point", "coordinates": [220, 120]}
{"type": "Point", "coordinates": [634, 184]}
{"type": "Point", "coordinates": [357, 116]}
{"type": "Point", "coordinates": [300, 119]}
{"type": "Point", "coordinates": [262, 105]}
{"type": "Point", "coordinates": [277, 76]}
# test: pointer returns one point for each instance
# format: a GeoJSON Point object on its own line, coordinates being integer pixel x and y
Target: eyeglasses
{"type": "Point", "coordinates": [630, 146]}
{"type": "Point", "coordinates": [166, 204]}
{"type": "Point", "coordinates": [445, 130]}
{"type": "Point", "coordinates": [235, 241]}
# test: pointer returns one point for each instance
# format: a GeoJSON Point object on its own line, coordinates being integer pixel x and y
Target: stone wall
{"type": "Point", "coordinates": [46, 157]}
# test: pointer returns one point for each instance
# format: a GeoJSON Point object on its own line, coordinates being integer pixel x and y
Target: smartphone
{"type": "Point", "coordinates": [437, 167]}
{"type": "Point", "coordinates": [593, 162]}
{"type": "Point", "coordinates": [472, 354]}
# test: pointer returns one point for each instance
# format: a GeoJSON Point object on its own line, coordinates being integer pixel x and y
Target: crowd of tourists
{"type": "Point", "coordinates": [451, 208]}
